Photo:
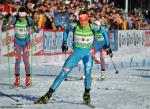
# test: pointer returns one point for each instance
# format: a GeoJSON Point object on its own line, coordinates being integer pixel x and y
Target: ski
{"type": "Point", "coordinates": [29, 103]}
{"type": "Point", "coordinates": [106, 88]}
{"type": "Point", "coordinates": [22, 86]}
{"type": "Point", "coordinates": [26, 87]}
{"type": "Point", "coordinates": [21, 104]}
{"type": "Point", "coordinates": [90, 105]}
{"type": "Point", "coordinates": [14, 86]}
{"type": "Point", "coordinates": [100, 79]}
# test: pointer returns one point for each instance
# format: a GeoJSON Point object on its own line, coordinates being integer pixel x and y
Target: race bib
{"type": "Point", "coordinates": [84, 40]}
{"type": "Point", "coordinates": [21, 31]}
{"type": "Point", "coordinates": [99, 38]}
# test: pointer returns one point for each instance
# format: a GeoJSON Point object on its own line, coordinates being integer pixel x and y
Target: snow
{"type": "Point", "coordinates": [130, 89]}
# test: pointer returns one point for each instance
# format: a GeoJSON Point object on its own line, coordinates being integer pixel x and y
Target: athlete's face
{"type": "Point", "coordinates": [84, 23]}
{"type": "Point", "coordinates": [22, 14]}
{"type": "Point", "coordinates": [83, 19]}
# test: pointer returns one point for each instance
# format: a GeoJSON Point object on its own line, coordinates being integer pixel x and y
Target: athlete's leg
{"type": "Point", "coordinates": [17, 50]}
{"type": "Point", "coordinates": [26, 59]}
{"type": "Point", "coordinates": [88, 63]}
{"type": "Point", "coordinates": [102, 59]}
{"type": "Point", "coordinates": [26, 63]}
{"type": "Point", "coordinates": [68, 66]}
{"type": "Point", "coordinates": [103, 66]}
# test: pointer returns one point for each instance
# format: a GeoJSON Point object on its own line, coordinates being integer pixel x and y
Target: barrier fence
{"type": "Point", "coordinates": [123, 42]}
{"type": "Point", "coordinates": [37, 42]}
{"type": "Point", "coordinates": [48, 41]}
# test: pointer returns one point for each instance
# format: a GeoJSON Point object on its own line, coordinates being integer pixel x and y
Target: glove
{"type": "Point", "coordinates": [64, 47]}
{"type": "Point", "coordinates": [108, 50]}
{"type": "Point", "coordinates": [7, 16]}
{"type": "Point", "coordinates": [5, 22]}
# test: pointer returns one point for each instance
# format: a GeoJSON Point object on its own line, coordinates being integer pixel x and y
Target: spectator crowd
{"type": "Point", "coordinates": [56, 14]}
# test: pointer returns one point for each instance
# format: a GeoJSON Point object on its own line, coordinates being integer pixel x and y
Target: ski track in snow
{"type": "Point", "coordinates": [130, 89]}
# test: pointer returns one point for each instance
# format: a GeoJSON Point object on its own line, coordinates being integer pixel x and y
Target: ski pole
{"type": "Point", "coordinates": [8, 48]}
{"type": "Point", "coordinates": [31, 53]}
{"type": "Point", "coordinates": [9, 96]}
{"type": "Point", "coordinates": [114, 66]}
{"type": "Point", "coordinates": [65, 56]}
{"type": "Point", "coordinates": [65, 60]}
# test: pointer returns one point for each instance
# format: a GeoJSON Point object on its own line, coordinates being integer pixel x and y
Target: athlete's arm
{"type": "Point", "coordinates": [70, 27]}
{"type": "Point", "coordinates": [7, 23]}
{"type": "Point", "coordinates": [106, 36]}
{"type": "Point", "coordinates": [107, 43]}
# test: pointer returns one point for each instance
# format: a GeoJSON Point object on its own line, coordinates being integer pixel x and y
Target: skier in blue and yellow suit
{"type": "Point", "coordinates": [22, 29]}
{"type": "Point", "coordinates": [83, 43]}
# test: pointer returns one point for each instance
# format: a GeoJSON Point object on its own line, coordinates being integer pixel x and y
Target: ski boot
{"type": "Point", "coordinates": [44, 99]}
{"type": "Point", "coordinates": [17, 82]}
{"type": "Point", "coordinates": [83, 78]}
{"type": "Point", "coordinates": [86, 98]}
{"type": "Point", "coordinates": [28, 83]}
{"type": "Point", "coordinates": [103, 75]}
{"type": "Point", "coordinates": [67, 78]}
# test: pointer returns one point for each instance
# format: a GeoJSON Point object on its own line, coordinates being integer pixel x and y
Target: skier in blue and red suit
{"type": "Point", "coordinates": [22, 27]}
{"type": "Point", "coordinates": [83, 39]}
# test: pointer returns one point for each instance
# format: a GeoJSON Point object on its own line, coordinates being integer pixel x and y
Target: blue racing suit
{"type": "Point", "coordinates": [84, 40]}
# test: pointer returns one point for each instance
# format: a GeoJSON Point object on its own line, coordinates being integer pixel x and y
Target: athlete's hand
{"type": "Point", "coordinates": [108, 50]}
{"type": "Point", "coordinates": [64, 47]}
